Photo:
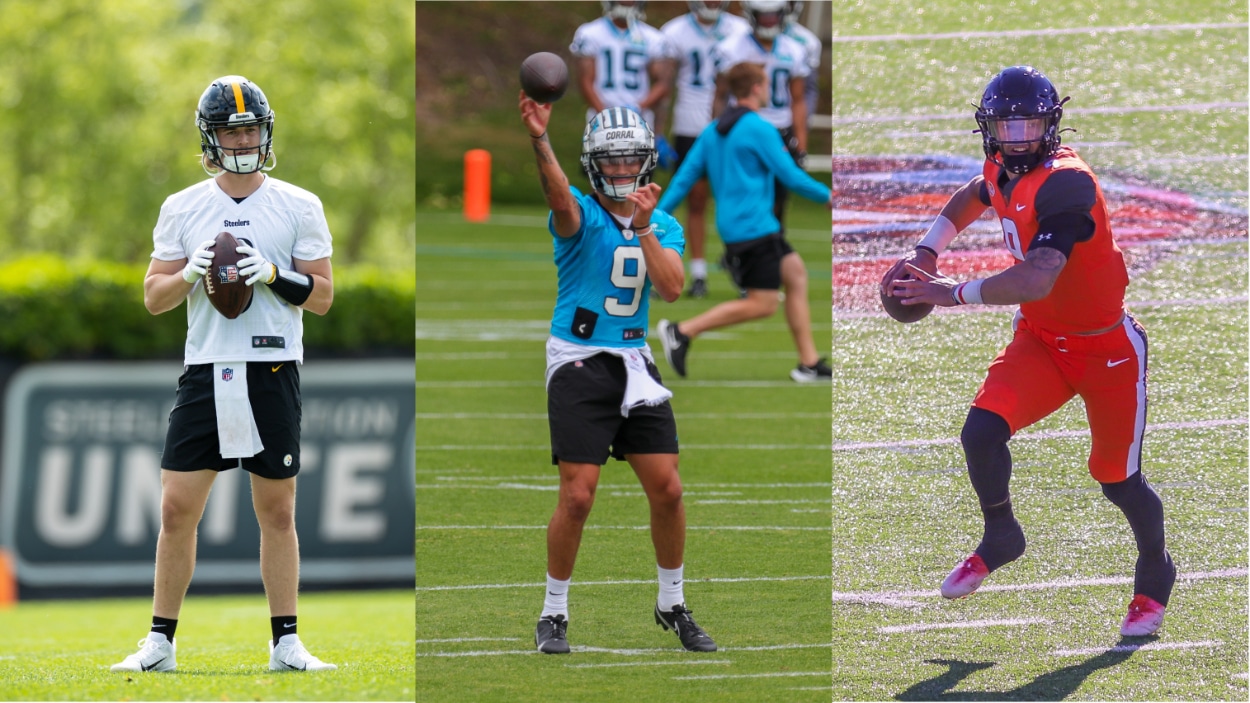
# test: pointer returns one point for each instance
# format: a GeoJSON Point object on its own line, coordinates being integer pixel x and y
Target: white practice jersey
{"type": "Point", "coordinates": [280, 220]}
{"type": "Point", "coordinates": [696, 70]}
{"type": "Point", "coordinates": [809, 40]}
{"type": "Point", "coordinates": [787, 60]}
{"type": "Point", "coordinates": [621, 60]}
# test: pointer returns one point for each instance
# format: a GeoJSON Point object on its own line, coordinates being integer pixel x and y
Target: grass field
{"type": "Point", "coordinates": [62, 650]}
{"type": "Point", "coordinates": [754, 463]}
{"type": "Point", "coordinates": [1166, 104]}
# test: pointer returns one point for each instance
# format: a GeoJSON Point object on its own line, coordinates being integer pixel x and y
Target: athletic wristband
{"type": "Point", "coordinates": [928, 249]}
{"type": "Point", "coordinates": [292, 286]}
{"type": "Point", "coordinates": [645, 231]}
{"type": "Point", "coordinates": [940, 233]}
{"type": "Point", "coordinates": [968, 292]}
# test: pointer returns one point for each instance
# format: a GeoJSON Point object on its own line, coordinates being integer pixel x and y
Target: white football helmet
{"type": "Point", "coordinates": [616, 10]}
{"type": "Point", "coordinates": [618, 136]}
{"type": "Point", "coordinates": [767, 17]}
{"type": "Point", "coordinates": [708, 11]}
{"type": "Point", "coordinates": [794, 8]}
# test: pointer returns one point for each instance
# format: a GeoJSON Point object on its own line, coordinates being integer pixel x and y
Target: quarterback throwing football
{"type": "Point", "coordinates": [604, 396]}
{"type": "Point", "coordinates": [1073, 335]}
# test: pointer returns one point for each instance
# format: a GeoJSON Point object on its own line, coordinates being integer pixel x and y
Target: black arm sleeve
{"type": "Point", "coordinates": [292, 286]}
{"type": "Point", "coordinates": [984, 194]}
{"type": "Point", "coordinates": [1063, 206]}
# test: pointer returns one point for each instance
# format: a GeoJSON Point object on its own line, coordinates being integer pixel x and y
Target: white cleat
{"type": "Point", "coordinates": [291, 656]}
{"type": "Point", "coordinates": [965, 578]}
{"type": "Point", "coordinates": [152, 656]}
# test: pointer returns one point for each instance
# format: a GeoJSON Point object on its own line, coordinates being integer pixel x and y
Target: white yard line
{"type": "Point", "coordinates": [1148, 647]}
{"type": "Point", "coordinates": [693, 662]}
{"type": "Point", "coordinates": [922, 627]}
{"type": "Point", "coordinates": [1052, 32]}
{"type": "Point", "coordinates": [623, 582]}
{"type": "Point", "coordinates": [901, 597]}
{"type": "Point", "coordinates": [771, 675]}
{"type": "Point", "coordinates": [1051, 434]}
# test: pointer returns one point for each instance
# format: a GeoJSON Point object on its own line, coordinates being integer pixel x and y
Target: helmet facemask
{"type": "Point", "coordinates": [630, 13]}
{"type": "Point", "coordinates": [758, 10]}
{"type": "Point", "coordinates": [704, 12]}
{"type": "Point", "coordinates": [229, 159]}
{"type": "Point", "coordinates": [618, 152]}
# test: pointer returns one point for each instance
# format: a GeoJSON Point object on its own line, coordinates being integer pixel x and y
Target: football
{"type": "Point", "coordinates": [544, 77]}
{"type": "Point", "coordinates": [904, 313]}
{"type": "Point", "coordinates": [225, 288]}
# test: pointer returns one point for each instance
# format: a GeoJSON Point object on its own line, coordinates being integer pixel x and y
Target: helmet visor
{"type": "Point", "coordinates": [1019, 129]}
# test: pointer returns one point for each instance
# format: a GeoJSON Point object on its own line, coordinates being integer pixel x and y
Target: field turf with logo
{"type": "Point", "coordinates": [62, 650]}
{"type": "Point", "coordinates": [754, 464]}
{"type": "Point", "coordinates": [1160, 113]}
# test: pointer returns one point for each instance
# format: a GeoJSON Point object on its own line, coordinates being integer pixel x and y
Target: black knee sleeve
{"type": "Point", "coordinates": [984, 439]}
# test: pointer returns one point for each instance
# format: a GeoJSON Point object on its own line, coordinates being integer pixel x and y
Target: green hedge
{"type": "Point", "coordinates": [56, 309]}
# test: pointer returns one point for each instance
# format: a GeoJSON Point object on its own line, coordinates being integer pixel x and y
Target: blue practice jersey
{"type": "Point", "coordinates": [741, 166]}
{"type": "Point", "coordinates": [604, 291]}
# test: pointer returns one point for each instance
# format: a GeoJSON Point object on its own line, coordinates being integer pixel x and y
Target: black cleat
{"type": "Point", "coordinates": [675, 345]}
{"type": "Point", "coordinates": [692, 637]}
{"type": "Point", "coordinates": [698, 289]}
{"type": "Point", "coordinates": [549, 635]}
{"type": "Point", "coordinates": [815, 373]}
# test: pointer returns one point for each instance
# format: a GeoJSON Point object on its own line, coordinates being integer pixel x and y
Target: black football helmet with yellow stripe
{"type": "Point", "coordinates": [234, 101]}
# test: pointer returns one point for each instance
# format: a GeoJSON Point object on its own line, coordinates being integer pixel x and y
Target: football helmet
{"type": "Point", "coordinates": [767, 17]}
{"type": "Point", "coordinates": [794, 8]}
{"type": "Point", "coordinates": [1020, 107]}
{"type": "Point", "coordinates": [620, 11]}
{"type": "Point", "coordinates": [234, 101]}
{"type": "Point", "coordinates": [617, 137]}
{"type": "Point", "coordinates": [707, 12]}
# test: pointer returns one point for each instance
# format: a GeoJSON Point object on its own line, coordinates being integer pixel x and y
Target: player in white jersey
{"type": "Point", "coordinates": [622, 62]}
{"type": "Point", "coordinates": [238, 402]}
{"type": "Point", "coordinates": [693, 36]}
{"type": "Point", "coordinates": [796, 29]}
{"type": "Point", "coordinates": [786, 66]}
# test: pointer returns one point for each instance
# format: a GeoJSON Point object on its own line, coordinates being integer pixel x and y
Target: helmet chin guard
{"type": "Point", "coordinates": [234, 101]}
{"type": "Point", "coordinates": [1019, 118]}
{"type": "Point", "coordinates": [618, 136]}
{"type": "Point", "coordinates": [753, 9]}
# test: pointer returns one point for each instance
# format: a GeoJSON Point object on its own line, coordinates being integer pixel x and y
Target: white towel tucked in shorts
{"type": "Point", "coordinates": [236, 427]}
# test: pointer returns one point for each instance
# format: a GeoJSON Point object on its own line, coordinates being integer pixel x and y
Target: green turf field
{"type": "Point", "coordinates": [754, 463]}
{"type": "Point", "coordinates": [1168, 105]}
{"type": "Point", "coordinates": [62, 650]}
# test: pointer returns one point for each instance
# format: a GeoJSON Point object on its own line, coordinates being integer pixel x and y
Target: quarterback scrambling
{"type": "Point", "coordinates": [1073, 335]}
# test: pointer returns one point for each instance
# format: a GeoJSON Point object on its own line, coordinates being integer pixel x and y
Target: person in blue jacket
{"type": "Point", "coordinates": [740, 154]}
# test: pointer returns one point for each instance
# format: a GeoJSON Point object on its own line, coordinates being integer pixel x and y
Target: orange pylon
{"type": "Point", "coordinates": [477, 185]}
{"type": "Point", "coordinates": [8, 580]}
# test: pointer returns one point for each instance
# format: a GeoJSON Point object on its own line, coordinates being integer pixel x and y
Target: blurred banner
{"type": "Point", "coordinates": [80, 487]}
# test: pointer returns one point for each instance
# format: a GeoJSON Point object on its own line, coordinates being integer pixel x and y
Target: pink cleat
{"type": "Point", "coordinates": [965, 578]}
{"type": "Point", "coordinates": [1145, 617]}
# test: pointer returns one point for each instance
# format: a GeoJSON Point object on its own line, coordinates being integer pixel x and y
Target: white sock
{"type": "Point", "coordinates": [670, 587]}
{"type": "Point", "coordinates": [698, 268]}
{"type": "Point", "coordinates": [556, 602]}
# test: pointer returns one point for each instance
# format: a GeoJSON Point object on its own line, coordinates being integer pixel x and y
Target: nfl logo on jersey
{"type": "Point", "coordinates": [227, 374]}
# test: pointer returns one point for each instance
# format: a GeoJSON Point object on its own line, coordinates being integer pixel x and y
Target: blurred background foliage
{"type": "Point", "coordinates": [97, 104]}
{"type": "Point", "coordinates": [97, 101]}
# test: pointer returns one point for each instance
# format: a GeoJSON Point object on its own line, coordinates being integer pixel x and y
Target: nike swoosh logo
{"type": "Point", "coordinates": [275, 368]}
{"type": "Point", "coordinates": [152, 666]}
{"type": "Point", "coordinates": [287, 627]}
{"type": "Point", "coordinates": [1019, 208]}
{"type": "Point", "coordinates": [1111, 363]}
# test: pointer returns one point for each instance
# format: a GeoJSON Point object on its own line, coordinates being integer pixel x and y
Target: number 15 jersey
{"type": "Point", "coordinates": [604, 292]}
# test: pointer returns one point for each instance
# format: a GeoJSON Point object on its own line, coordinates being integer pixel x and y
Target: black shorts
{"type": "Point", "coordinates": [584, 413]}
{"type": "Point", "coordinates": [682, 146]}
{"type": "Point", "coordinates": [273, 390]}
{"type": "Point", "coordinates": [756, 263]}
